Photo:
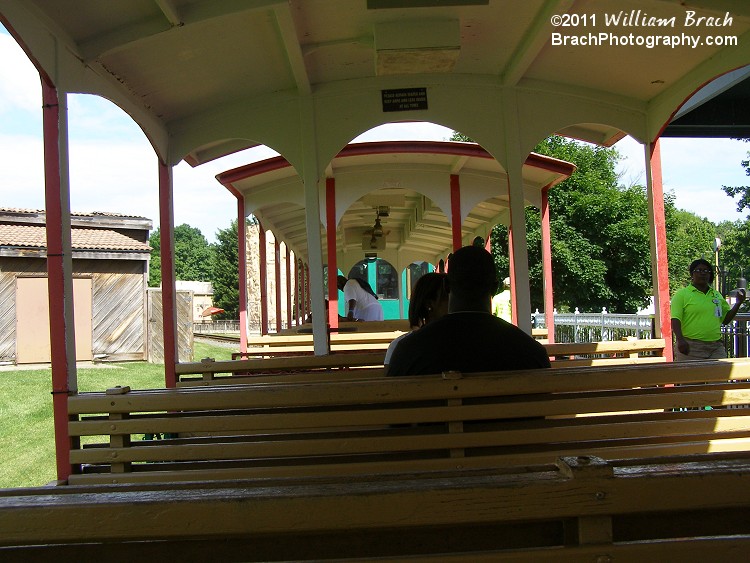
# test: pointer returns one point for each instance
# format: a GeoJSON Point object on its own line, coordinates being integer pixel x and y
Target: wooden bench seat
{"type": "Point", "coordinates": [688, 508]}
{"type": "Point", "coordinates": [427, 423]}
{"type": "Point", "coordinates": [585, 353]}
{"type": "Point", "coordinates": [295, 359]}
{"type": "Point", "coordinates": [280, 345]}
{"type": "Point", "coordinates": [626, 351]}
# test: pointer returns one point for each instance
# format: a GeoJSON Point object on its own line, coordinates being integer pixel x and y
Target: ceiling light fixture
{"type": "Point", "coordinates": [377, 228]}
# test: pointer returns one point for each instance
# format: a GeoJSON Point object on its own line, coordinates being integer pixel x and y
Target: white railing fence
{"type": "Point", "coordinates": [596, 327]}
{"type": "Point", "coordinates": [573, 327]}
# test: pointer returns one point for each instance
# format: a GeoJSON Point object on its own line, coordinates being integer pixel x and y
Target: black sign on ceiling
{"type": "Point", "coordinates": [404, 99]}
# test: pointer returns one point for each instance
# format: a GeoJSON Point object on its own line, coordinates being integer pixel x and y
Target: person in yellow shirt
{"type": "Point", "coordinates": [698, 311]}
{"type": "Point", "coordinates": [501, 306]}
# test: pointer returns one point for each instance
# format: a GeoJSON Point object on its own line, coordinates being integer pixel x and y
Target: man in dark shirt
{"type": "Point", "coordinates": [469, 338]}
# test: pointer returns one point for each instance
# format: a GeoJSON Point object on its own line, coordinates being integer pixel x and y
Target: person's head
{"type": "Point", "coordinates": [505, 285]}
{"type": "Point", "coordinates": [341, 282]}
{"type": "Point", "coordinates": [472, 279]}
{"type": "Point", "coordinates": [701, 272]}
{"type": "Point", "coordinates": [429, 300]}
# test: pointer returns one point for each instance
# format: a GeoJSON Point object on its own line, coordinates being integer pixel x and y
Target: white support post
{"type": "Point", "coordinates": [514, 161]}
{"type": "Point", "coordinates": [311, 178]}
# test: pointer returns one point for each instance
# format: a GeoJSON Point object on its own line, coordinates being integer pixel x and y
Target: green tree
{"type": "Point", "coordinates": [735, 250]}
{"type": "Point", "coordinates": [154, 265]}
{"type": "Point", "coordinates": [688, 237]}
{"type": "Point", "coordinates": [599, 234]}
{"type": "Point", "coordinates": [193, 255]}
{"type": "Point", "coordinates": [599, 231]}
{"type": "Point", "coordinates": [742, 191]}
{"type": "Point", "coordinates": [225, 273]}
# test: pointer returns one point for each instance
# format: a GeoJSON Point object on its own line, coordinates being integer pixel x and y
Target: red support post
{"type": "Point", "coordinates": [657, 224]}
{"type": "Point", "coordinates": [512, 268]}
{"type": "Point", "coordinates": [63, 365]}
{"type": "Point", "coordinates": [456, 211]}
{"type": "Point", "coordinates": [549, 310]}
{"type": "Point", "coordinates": [168, 293]}
{"type": "Point", "coordinates": [297, 300]}
{"type": "Point", "coordinates": [288, 287]}
{"type": "Point", "coordinates": [277, 285]}
{"type": "Point", "coordinates": [333, 270]}
{"type": "Point", "coordinates": [307, 289]}
{"type": "Point", "coordinates": [263, 267]}
{"type": "Point", "coordinates": [242, 266]}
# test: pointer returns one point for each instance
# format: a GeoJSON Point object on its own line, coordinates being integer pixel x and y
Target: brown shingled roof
{"type": "Point", "coordinates": [72, 213]}
{"type": "Point", "coordinates": [35, 236]}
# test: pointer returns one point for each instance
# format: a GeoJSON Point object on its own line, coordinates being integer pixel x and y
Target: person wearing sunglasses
{"type": "Point", "coordinates": [698, 311]}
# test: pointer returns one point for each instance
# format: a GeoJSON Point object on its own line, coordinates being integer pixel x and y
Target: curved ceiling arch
{"type": "Point", "coordinates": [406, 183]}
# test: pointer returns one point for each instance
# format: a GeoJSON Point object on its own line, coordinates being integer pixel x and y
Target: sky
{"type": "Point", "coordinates": [114, 169]}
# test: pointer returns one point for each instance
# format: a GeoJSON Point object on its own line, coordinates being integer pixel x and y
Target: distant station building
{"type": "Point", "coordinates": [110, 275]}
{"type": "Point", "coordinates": [202, 296]}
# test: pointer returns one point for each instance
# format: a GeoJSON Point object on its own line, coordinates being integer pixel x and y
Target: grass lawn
{"type": "Point", "coordinates": [26, 424]}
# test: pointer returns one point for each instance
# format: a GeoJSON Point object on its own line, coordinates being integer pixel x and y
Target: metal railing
{"type": "Point", "coordinates": [597, 327]}
{"type": "Point", "coordinates": [736, 335]}
{"type": "Point", "coordinates": [578, 327]}
{"type": "Point", "coordinates": [216, 327]}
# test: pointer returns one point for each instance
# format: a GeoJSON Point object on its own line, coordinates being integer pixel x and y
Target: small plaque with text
{"type": "Point", "coordinates": [404, 99]}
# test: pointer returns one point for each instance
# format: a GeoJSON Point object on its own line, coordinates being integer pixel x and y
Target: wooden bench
{"type": "Point", "coordinates": [630, 348]}
{"type": "Point", "coordinates": [690, 508]}
{"type": "Point", "coordinates": [301, 344]}
{"type": "Point", "coordinates": [625, 351]}
{"type": "Point", "coordinates": [280, 345]}
{"type": "Point", "coordinates": [426, 423]}
{"type": "Point", "coordinates": [317, 367]}
{"type": "Point", "coordinates": [332, 366]}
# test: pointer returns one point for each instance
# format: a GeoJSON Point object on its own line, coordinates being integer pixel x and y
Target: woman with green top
{"type": "Point", "coordinates": [698, 311]}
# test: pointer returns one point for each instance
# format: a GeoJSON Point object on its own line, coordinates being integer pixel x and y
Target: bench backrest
{"type": "Point", "coordinates": [300, 359]}
{"type": "Point", "coordinates": [413, 423]}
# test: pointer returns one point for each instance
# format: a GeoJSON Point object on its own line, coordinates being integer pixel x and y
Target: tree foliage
{"type": "Point", "coordinates": [743, 192]}
{"type": "Point", "coordinates": [735, 250]}
{"type": "Point", "coordinates": [154, 265]}
{"type": "Point", "coordinates": [688, 237]}
{"type": "Point", "coordinates": [193, 255]}
{"type": "Point", "coordinates": [225, 274]}
{"type": "Point", "coordinates": [599, 235]}
{"type": "Point", "coordinates": [599, 231]}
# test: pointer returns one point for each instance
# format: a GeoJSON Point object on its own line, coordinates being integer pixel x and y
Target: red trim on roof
{"type": "Point", "coordinates": [253, 169]}
{"type": "Point", "coordinates": [395, 147]}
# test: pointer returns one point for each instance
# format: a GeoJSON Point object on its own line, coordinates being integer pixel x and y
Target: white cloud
{"type": "Point", "coordinates": [694, 170]}
{"type": "Point", "coordinates": [406, 132]}
{"type": "Point", "coordinates": [20, 88]}
{"type": "Point", "coordinates": [21, 172]}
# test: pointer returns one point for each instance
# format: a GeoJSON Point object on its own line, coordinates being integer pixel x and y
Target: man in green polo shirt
{"type": "Point", "coordinates": [698, 311]}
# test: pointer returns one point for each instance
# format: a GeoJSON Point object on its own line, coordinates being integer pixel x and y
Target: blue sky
{"type": "Point", "coordinates": [113, 168]}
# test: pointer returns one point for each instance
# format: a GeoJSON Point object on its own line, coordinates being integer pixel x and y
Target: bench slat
{"type": "Point", "coordinates": [605, 347]}
{"type": "Point", "coordinates": [348, 442]}
{"type": "Point", "coordinates": [411, 388]}
{"type": "Point", "coordinates": [396, 466]}
{"type": "Point", "coordinates": [541, 405]}
{"type": "Point", "coordinates": [374, 358]}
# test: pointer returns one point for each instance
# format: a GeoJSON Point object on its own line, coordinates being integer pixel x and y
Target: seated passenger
{"type": "Point", "coordinates": [469, 338]}
{"type": "Point", "coordinates": [429, 302]}
{"type": "Point", "coordinates": [361, 302]}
